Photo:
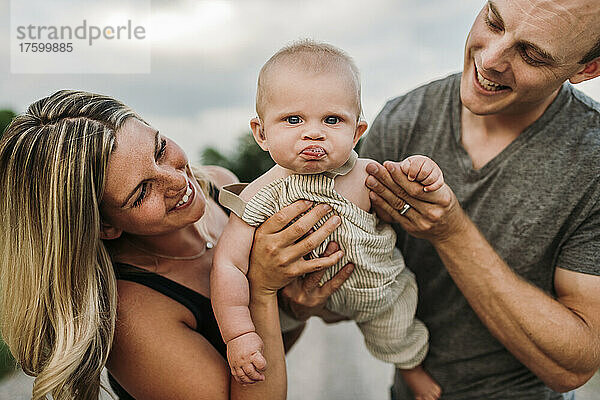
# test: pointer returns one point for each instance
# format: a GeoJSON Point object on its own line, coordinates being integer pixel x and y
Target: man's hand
{"type": "Point", "coordinates": [429, 215]}
{"type": "Point", "coordinates": [304, 297]}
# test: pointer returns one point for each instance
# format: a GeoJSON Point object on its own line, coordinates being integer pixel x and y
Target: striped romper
{"type": "Point", "coordinates": [381, 294]}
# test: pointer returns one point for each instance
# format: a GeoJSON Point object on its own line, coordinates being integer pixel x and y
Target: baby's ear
{"type": "Point", "coordinates": [361, 127]}
{"type": "Point", "coordinates": [259, 133]}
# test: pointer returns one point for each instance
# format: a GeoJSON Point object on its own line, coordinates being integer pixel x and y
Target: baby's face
{"type": "Point", "coordinates": [310, 120]}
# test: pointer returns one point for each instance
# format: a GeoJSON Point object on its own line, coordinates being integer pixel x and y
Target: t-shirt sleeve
{"type": "Point", "coordinates": [581, 251]}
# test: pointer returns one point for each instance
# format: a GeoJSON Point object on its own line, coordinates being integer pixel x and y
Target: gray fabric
{"type": "Point", "coordinates": [537, 203]}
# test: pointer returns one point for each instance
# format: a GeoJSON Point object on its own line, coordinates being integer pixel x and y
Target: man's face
{"type": "Point", "coordinates": [519, 52]}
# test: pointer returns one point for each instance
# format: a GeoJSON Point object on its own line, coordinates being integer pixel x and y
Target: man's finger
{"type": "Point", "coordinates": [381, 205]}
{"type": "Point", "coordinates": [336, 281]}
{"type": "Point", "coordinates": [414, 190]}
{"type": "Point", "coordinates": [383, 180]}
{"type": "Point", "coordinates": [331, 248]}
{"type": "Point", "coordinates": [311, 281]}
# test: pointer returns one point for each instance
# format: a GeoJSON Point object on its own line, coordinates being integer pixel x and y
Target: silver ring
{"type": "Point", "coordinates": [404, 208]}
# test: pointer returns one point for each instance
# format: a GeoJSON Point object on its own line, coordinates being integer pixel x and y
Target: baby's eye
{"type": "Point", "coordinates": [293, 119]}
{"type": "Point", "coordinates": [332, 120]}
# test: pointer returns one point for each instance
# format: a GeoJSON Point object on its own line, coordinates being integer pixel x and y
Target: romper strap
{"type": "Point", "coordinates": [343, 169]}
{"type": "Point", "coordinates": [229, 197]}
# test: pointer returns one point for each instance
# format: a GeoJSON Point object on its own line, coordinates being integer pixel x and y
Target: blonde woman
{"type": "Point", "coordinates": [87, 189]}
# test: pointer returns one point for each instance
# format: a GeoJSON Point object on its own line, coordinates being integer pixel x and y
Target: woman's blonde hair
{"type": "Point", "coordinates": [57, 285]}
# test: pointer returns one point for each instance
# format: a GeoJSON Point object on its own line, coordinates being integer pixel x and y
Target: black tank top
{"type": "Point", "coordinates": [200, 306]}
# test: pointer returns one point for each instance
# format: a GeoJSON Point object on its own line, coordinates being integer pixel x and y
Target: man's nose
{"type": "Point", "coordinates": [494, 56]}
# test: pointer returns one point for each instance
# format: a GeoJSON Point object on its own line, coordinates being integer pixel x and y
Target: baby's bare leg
{"type": "Point", "coordinates": [422, 385]}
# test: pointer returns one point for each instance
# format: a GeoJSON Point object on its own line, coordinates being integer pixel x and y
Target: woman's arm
{"type": "Point", "coordinates": [156, 354]}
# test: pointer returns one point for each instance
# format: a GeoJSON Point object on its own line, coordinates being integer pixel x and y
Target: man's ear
{"type": "Point", "coordinates": [361, 127]}
{"type": "Point", "coordinates": [259, 133]}
{"type": "Point", "coordinates": [589, 71]}
{"type": "Point", "coordinates": [109, 232]}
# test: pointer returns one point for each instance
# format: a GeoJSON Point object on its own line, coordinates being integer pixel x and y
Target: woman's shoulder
{"type": "Point", "coordinates": [154, 307]}
{"type": "Point", "coordinates": [154, 333]}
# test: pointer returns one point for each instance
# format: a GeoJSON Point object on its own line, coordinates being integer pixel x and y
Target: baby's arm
{"type": "Point", "coordinates": [424, 170]}
{"type": "Point", "coordinates": [230, 297]}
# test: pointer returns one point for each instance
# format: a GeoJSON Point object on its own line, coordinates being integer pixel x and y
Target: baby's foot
{"type": "Point", "coordinates": [421, 384]}
{"type": "Point", "coordinates": [244, 354]}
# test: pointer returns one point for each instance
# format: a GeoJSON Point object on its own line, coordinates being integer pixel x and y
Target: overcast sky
{"type": "Point", "coordinates": [205, 57]}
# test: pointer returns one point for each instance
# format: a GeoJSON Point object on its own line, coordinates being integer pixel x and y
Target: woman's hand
{"type": "Point", "coordinates": [304, 297]}
{"type": "Point", "coordinates": [277, 255]}
{"type": "Point", "coordinates": [434, 215]}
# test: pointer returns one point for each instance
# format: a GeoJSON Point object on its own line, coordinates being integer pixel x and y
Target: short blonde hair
{"type": "Point", "coordinates": [313, 56]}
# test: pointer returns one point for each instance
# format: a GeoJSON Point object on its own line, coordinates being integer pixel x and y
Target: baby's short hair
{"type": "Point", "coordinates": [313, 56]}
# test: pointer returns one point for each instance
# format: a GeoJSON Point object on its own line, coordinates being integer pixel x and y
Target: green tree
{"type": "Point", "coordinates": [248, 162]}
{"type": "Point", "coordinates": [5, 117]}
{"type": "Point", "coordinates": [7, 363]}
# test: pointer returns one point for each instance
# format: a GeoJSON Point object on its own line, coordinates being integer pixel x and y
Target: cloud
{"type": "Point", "coordinates": [206, 56]}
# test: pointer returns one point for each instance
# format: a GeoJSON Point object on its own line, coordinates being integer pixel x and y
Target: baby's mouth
{"type": "Point", "coordinates": [313, 152]}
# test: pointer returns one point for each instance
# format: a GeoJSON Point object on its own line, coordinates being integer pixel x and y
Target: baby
{"type": "Point", "coordinates": [309, 108]}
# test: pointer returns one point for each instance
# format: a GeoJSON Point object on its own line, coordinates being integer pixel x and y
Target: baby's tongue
{"type": "Point", "coordinates": [314, 152]}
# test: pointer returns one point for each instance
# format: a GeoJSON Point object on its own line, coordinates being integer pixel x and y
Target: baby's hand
{"type": "Point", "coordinates": [244, 354]}
{"type": "Point", "coordinates": [424, 170]}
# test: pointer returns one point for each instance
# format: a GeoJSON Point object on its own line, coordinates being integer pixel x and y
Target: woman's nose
{"type": "Point", "coordinates": [173, 181]}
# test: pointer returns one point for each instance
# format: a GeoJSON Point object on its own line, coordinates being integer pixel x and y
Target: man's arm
{"type": "Point", "coordinates": [557, 339]}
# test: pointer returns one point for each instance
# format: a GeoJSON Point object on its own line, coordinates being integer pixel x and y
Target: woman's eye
{"type": "Point", "coordinates": [161, 149]}
{"type": "Point", "coordinates": [294, 119]}
{"type": "Point", "coordinates": [140, 198]}
{"type": "Point", "coordinates": [332, 120]}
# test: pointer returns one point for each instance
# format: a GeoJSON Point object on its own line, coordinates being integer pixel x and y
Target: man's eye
{"type": "Point", "coordinates": [332, 120]}
{"type": "Point", "coordinates": [294, 119]}
{"type": "Point", "coordinates": [494, 27]}
{"type": "Point", "coordinates": [530, 60]}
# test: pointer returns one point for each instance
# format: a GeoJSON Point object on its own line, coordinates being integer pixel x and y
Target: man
{"type": "Point", "coordinates": [507, 256]}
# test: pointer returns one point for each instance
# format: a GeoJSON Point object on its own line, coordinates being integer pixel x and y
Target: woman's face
{"type": "Point", "coordinates": [150, 189]}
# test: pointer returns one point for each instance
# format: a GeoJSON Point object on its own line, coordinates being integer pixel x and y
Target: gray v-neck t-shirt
{"type": "Point", "coordinates": [537, 203]}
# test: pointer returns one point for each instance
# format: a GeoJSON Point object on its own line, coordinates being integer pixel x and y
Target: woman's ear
{"type": "Point", "coordinates": [259, 133]}
{"type": "Point", "coordinates": [589, 71]}
{"type": "Point", "coordinates": [109, 232]}
{"type": "Point", "coordinates": [361, 127]}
